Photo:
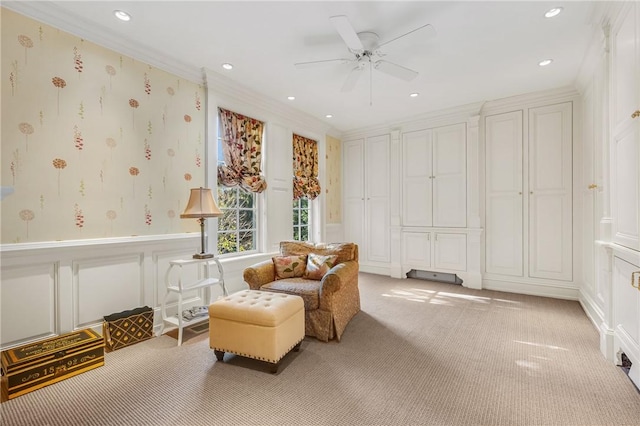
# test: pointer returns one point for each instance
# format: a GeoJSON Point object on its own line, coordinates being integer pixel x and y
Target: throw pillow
{"type": "Point", "coordinates": [289, 266]}
{"type": "Point", "coordinates": [318, 266]}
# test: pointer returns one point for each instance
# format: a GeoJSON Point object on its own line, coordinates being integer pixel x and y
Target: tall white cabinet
{"type": "Point", "coordinates": [625, 186]}
{"type": "Point", "coordinates": [366, 197]}
{"type": "Point", "coordinates": [528, 194]}
{"type": "Point", "coordinates": [434, 177]}
{"type": "Point", "coordinates": [625, 127]}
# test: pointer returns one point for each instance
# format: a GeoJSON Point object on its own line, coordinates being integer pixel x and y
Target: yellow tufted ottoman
{"type": "Point", "coordinates": [257, 324]}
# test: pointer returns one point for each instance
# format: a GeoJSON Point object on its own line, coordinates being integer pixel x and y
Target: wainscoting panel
{"type": "Point", "coordinates": [28, 291]}
{"type": "Point", "coordinates": [106, 285]}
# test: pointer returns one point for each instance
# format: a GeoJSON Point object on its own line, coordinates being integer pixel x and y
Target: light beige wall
{"type": "Point", "coordinates": [333, 189]}
{"type": "Point", "coordinates": [94, 144]}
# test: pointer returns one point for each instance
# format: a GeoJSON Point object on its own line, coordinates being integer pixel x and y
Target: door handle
{"type": "Point", "coordinates": [593, 186]}
{"type": "Point", "coordinates": [633, 279]}
{"type": "Point", "coordinates": [636, 113]}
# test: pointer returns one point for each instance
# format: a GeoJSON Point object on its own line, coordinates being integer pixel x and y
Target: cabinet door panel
{"type": "Point", "coordinates": [626, 304]}
{"type": "Point", "coordinates": [504, 209]}
{"type": "Point", "coordinates": [450, 176]}
{"type": "Point", "coordinates": [625, 191]}
{"type": "Point", "coordinates": [624, 76]}
{"type": "Point", "coordinates": [416, 249]}
{"type": "Point", "coordinates": [377, 164]}
{"type": "Point", "coordinates": [353, 223]}
{"type": "Point", "coordinates": [354, 169]}
{"type": "Point", "coordinates": [550, 190]}
{"type": "Point", "coordinates": [416, 180]}
{"type": "Point", "coordinates": [451, 251]}
{"type": "Point", "coordinates": [378, 230]}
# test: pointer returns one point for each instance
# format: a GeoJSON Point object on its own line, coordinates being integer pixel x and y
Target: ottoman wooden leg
{"type": "Point", "coordinates": [273, 367]}
{"type": "Point", "coordinates": [296, 348]}
{"type": "Point", "coordinates": [219, 354]}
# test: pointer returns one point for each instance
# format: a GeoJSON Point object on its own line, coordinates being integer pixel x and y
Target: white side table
{"type": "Point", "coordinates": [205, 280]}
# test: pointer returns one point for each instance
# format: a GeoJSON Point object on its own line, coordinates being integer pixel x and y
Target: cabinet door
{"type": "Point", "coordinates": [550, 191]}
{"type": "Point", "coordinates": [450, 176]}
{"type": "Point", "coordinates": [504, 208]}
{"type": "Point", "coordinates": [353, 172]}
{"type": "Point", "coordinates": [625, 191]}
{"type": "Point", "coordinates": [416, 178]}
{"type": "Point", "coordinates": [626, 312]}
{"type": "Point", "coordinates": [450, 251]}
{"type": "Point", "coordinates": [416, 250]}
{"type": "Point", "coordinates": [377, 198]}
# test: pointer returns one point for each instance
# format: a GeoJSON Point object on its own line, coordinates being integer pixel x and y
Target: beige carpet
{"type": "Point", "coordinates": [419, 353]}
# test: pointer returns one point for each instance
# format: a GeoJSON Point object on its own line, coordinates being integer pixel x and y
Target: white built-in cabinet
{"type": "Point", "coordinates": [434, 177]}
{"type": "Point", "coordinates": [625, 186]}
{"type": "Point", "coordinates": [366, 196]}
{"type": "Point", "coordinates": [625, 127]}
{"type": "Point", "coordinates": [528, 191]}
{"type": "Point", "coordinates": [434, 197]}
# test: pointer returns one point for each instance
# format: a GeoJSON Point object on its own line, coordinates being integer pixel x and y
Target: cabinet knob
{"type": "Point", "coordinates": [531, 192]}
{"type": "Point", "coordinates": [636, 114]}
{"type": "Point", "coordinates": [520, 193]}
{"type": "Point", "coordinates": [593, 186]}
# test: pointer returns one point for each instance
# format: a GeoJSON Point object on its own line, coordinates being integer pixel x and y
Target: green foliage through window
{"type": "Point", "coordinates": [301, 219]}
{"type": "Point", "coordinates": [237, 225]}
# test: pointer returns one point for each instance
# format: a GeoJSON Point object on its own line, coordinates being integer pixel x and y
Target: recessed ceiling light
{"type": "Point", "coordinates": [545, 62]}
{"type": "Point", "coordinates": [227, 66]}
{"type": "Point", "coordinates": [328, 115]}
{"type": "Point", "coordinates": [553, 12]}
{"type": "Point", "coordinates": [122, 15]}
{"type": "Point", "coordinates": [414, 95]}
{"type": "Point", "coordinates": [291, 98]}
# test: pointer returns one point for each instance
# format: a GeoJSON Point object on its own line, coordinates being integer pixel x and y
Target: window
{"type": "Point", "coordinates": [237, 225]}
{"type": "Point", "coordinates": [301, 219]}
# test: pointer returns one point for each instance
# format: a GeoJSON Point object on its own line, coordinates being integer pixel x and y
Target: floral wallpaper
{"type": "Point", "coordinates": [94, 144]}
{"type": "Point", "coordinates": [333, 186]}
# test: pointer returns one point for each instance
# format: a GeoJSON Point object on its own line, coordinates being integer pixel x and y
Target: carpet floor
{"type": "Point", "coordinates": [419, 353]}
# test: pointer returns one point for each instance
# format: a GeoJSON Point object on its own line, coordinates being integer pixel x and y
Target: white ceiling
{"type": "Point", "coordinates": [482, 51]}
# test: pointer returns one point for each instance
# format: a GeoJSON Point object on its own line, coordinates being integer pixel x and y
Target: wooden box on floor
{"type": "Point", "coordinates": [38, 364]}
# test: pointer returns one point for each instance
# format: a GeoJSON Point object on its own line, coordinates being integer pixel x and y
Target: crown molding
{"type": "Point", "coordinates": [562, 94]}
{"type": "Point", "coordinates": [53, 15]}
{"type": "Point", "coordinates": [436, 118]}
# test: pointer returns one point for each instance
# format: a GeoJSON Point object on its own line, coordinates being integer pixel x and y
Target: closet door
{"type": "Point", "coordinates": [550, 192]}
{"type": "Point", "coordinates": [417, 178]}
{"type": "Point", "coordinates": [353, 172]}
{"type": "Point", "coordinates": [625, 127]}
{"type": "Point", "coordinates": [377, 198]}
{"type": "Point", "coordinates": [450, 176]}
{"type": "Point", "coordinates": [504, 200]}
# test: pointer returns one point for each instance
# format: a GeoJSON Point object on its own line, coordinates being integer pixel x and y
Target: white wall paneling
{"type": "Point", "coordinates": [69, 285]}
{"type": "Point", "coordinates": [30, 290]}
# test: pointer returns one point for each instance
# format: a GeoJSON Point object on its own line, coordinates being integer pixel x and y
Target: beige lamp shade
{"type": "Point", "coordinates": [201, 204]}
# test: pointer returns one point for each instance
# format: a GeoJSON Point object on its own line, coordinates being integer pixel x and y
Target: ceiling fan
{"type": "Point", "coordinates": [365, 47]}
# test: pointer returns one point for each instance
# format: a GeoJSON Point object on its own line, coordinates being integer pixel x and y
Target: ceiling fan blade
{"type": "Point", "coordinates": [352, 78]}
{"type": "Point", "coordinates": [346, 31]}
{"type": "Point", "coordinates": [427, 29]}
{"type": "Point", "coordinates": [311, 64]}
{"type": "Point", "coordinates": [396, 70]}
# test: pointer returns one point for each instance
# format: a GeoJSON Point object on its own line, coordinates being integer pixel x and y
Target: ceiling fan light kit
{"type": "Point", "coordinates": [365, 48]}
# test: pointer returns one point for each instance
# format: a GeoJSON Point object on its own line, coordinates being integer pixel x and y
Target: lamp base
{"type": "Point", "coordinates": [202, 256]}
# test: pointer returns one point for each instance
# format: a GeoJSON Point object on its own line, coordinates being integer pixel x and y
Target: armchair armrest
{"type": "Point", "coordinates": [259, 274]}
{"type": "Point", "coordinates": [341, 275]}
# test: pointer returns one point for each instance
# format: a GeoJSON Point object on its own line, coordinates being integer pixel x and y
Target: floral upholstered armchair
{"type": "Point", "coordinates": [324, 275]}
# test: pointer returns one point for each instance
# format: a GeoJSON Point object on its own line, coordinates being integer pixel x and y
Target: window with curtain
{"type": "Point", "coordinates": [306, 186]}
{"type": "Point", "coordinates": [239, 180]}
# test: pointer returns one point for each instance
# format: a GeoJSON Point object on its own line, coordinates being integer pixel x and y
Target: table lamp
{"type": "Point", "coordinates": [200, 206]}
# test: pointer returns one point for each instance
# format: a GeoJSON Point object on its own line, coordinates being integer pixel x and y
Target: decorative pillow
{"type": "Point", "coordinates": [289, 266]}
{"type": "Point", "coordinates": [318, 266]}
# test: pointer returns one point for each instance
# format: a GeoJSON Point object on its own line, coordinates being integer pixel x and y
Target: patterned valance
{"type": "Point", "coordinates": [242, 151]}
{"type": "Point", "coordinates": [305, 168]}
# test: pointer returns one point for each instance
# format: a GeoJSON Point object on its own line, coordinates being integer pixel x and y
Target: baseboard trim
{"type": "Point", "coordinates": [543, 290]}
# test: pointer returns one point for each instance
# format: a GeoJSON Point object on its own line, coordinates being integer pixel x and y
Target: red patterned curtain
{"type": "Point", "coordinates": [242, 151]}
{"type": "Point", "coordinates": [305, 168]}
